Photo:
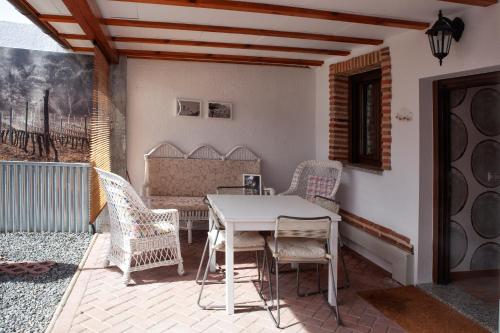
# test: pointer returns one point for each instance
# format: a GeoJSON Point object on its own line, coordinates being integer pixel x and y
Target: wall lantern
{"type": "Point", "coordinates": [441, 33]}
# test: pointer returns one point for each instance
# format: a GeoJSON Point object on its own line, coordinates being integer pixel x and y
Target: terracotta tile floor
{"type": "Point", "coordinates": [159, 300]}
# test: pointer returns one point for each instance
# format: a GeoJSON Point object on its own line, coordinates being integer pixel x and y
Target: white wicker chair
{"type": "Point", "coordinates": [329, 169]}
{"type": "Point", "coordinates": [141, 238]}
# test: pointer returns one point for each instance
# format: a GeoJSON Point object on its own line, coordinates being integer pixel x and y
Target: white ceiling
{"type": "Point", "coordinates": [417, 10]}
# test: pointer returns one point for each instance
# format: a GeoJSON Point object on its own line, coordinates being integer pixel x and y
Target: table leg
{"type": "Point", "coordinates": [229, 269]}
{"type": "Point", "coordinates": [334, 250]}
{"type": "Point", "coordinates": [213, 262]}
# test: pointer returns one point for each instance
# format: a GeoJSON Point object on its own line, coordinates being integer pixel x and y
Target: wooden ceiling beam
{"type": "Point", "coordinates": [481, 3]}
{"type": "Point", "coordinates": [75, 36]}
{"type": "Point", "coordinates": [264, 8]}
{"type": "Point", "coordinates": [82, 49]}
{"type": "Point", "coordinates": [217, 61]}
{"type": "Point", "coordinates": [217, 57]}
{"type": "Point", "coordinates": [86, 13]}
{"type": "Point", "coordinates": [57, 18]}
{"type": "Point", "coordinates": [241, 31]}
{"type": "Point", "coordinates": [229, 45]}
{"type": "Point", "coordinates": [34, 16]}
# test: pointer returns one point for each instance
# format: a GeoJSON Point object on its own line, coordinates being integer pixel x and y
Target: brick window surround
{"type": "Point", "coordinates": [339, 137]}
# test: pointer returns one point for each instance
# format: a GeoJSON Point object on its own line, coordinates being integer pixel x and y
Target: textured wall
{"type": "Point", "coordinates": [273, 112]}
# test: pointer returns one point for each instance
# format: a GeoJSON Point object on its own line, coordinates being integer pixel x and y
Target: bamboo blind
{"type": "Point", "coordinates": [100, 135]}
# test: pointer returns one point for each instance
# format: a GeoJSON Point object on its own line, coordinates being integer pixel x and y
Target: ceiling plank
{"type": "Point", "coordinates": [34, 16]}
{"type": "Point", "coordinates": [481, 3]}
{"type": "Point", "coordinates": [87, 14]}
{"type": "Point", "coordinates": [242, 31]}
{"type": "Point", "coordinates": [229, 45]}
{"type": "Point", "coordinates": [217, 57]}
{"type": "Point", "coordinates": [264, 8]}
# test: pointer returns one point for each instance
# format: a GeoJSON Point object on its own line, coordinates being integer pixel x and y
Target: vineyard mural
{"type": "Point", "coordinates": [45, 105]}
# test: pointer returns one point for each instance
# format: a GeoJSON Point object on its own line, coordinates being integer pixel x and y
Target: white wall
{"type": "Point", "coordinates": [392, 198]}
{"type": "Point", "coordinates": [273, 112]}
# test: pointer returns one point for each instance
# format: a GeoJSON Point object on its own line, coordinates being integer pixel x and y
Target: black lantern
{"type": "Point", "coordinates": [441, 33]}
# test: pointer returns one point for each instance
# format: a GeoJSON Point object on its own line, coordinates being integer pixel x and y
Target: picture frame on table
{"type": "Point", "coordinates": [220, 110]}
{"type": "Point", "coordinates": [186, 107]}
{"type": "Point", "coordinates": [252, 183]}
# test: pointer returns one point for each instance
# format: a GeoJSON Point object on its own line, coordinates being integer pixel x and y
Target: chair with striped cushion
{"type": "Point", "coordinates": [298, 240]}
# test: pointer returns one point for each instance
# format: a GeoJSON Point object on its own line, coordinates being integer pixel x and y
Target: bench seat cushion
{"type": "Point", "coordinates": [179, 203]}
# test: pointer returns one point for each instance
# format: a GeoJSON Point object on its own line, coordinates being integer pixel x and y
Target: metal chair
{"type": "Point", "coordinates": [298, 240]}
{"type": "Point", "coordinates": [243, 242]}
{"type": "Point", "coordinates": [141, 238]}
{"type": "Point", "coordinates": [333, 206]}
{"type": "Point", "coordinates": [299, 186]}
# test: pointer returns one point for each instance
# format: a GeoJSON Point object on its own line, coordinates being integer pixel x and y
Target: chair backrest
{"type": "Point", "coordinates": [236, 190]}
{"type": "Point", "coordinates": [327, 169]}
{"type": "Point", "coordinates": [329, 204]}
{"type": "Point", "coordinates": [124, 204]}
{"type": "Point", "coordinates": [303, 227]}
{"type": "Point", "coordinates": [217, 224]}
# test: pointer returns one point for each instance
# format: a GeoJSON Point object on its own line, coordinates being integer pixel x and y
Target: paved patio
{"type": "Point", "coordinates": [158, 300]}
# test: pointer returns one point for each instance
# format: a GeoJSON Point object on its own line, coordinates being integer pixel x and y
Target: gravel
{"type": "Point", "coordinates": [27, 302]}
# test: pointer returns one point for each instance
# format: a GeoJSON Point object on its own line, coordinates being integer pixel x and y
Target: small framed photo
{"type": "Point", "coordinates": [188, 107]}
{"type": "Point", "coordinates": [220, 110]}
{"type": "Point", "coordinates": [253, 184]}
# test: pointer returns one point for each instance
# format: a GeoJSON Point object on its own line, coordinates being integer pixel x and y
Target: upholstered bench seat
{"type": "Point", "coordinates": [179, 203]}
{"type": "Point", "coordinates": [177, 180]}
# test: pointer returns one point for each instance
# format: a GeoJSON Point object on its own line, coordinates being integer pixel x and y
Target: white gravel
{"type": "Point", "coordinates": [27, 302]}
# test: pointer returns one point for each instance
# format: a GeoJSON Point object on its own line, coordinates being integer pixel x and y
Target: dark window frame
{"type": "Point", "coordinates": [357, 95]}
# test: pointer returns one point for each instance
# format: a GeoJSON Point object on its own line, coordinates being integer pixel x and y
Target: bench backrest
{"type": "Point", "coordinates": [170, 172]}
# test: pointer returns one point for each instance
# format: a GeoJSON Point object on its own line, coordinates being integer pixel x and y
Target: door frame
{"type": "Point", "coordinates": [441, 153]}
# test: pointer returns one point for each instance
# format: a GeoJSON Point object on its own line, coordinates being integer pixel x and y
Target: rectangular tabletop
{"type": "Point", "coordinates": [257, 208]}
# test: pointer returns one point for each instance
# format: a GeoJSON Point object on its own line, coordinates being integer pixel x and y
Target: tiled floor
{"type": "Point", "coordinates": [159, 300]}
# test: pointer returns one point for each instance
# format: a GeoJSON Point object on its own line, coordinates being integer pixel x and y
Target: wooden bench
{"type": "Point", "coordinates": [174, 179]}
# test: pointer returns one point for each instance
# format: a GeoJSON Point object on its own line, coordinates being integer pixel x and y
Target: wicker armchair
{"type": "Point", "coordinates": [141, 238]}
{"type": "Point", "coordinates": [327, 169]}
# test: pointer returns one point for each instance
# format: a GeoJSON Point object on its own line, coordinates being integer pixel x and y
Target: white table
{"type": "Point", "coordinates": [259, 213]}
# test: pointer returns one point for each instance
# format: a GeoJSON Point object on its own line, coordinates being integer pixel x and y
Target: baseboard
{"type": "Point", "coordinates": [391, 258]}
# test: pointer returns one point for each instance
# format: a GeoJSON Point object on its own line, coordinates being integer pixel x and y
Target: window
{"type": "Point", "coordinates": [365, 118]}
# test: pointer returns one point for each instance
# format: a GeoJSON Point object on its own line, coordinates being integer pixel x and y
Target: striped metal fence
{"type": "Point", "coordinates": [44, 196]}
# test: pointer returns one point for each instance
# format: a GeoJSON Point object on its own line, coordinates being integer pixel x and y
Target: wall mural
{"type": "Point", "coordinates": [45, 105]}
{"type": "Point", "coordinates": [475, 179]}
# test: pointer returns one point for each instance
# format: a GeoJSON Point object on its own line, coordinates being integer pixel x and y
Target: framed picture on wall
{"type": "Point", "coordinates": [188, 107]}
{"type": "Point", "coordinates": [220, 110]}
{"type": "Point", "coordinates": [252, 183]}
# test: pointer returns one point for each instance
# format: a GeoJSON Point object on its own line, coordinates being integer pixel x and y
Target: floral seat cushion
{"type": "Point", "coordinates": [298, 248]}
{"type": "Point", "coordinates": [242, 240]}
